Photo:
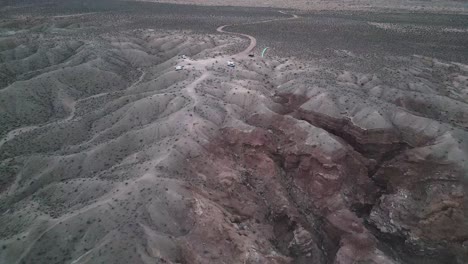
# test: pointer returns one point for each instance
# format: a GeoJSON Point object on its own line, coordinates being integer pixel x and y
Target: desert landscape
{"type": "Point", "coordinates": [190, 131]}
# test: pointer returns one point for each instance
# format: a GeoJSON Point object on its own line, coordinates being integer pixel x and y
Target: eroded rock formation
{"type": "Point", "coordinates": [274, 161]}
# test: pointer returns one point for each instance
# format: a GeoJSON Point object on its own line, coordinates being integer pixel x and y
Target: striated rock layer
{"type": "Point", "coordinates": [111, 155]}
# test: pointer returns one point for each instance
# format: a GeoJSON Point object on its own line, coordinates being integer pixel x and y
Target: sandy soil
{"type": "Point", "coordinates": [380, 5]}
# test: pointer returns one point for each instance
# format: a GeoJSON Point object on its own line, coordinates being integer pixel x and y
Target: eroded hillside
{"type": "Point", "coordinates": [108, 154]}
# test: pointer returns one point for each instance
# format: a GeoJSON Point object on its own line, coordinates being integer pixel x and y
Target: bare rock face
{"type": "Point", "coordinates": [424, 203]}
{"type": "Point", "coordinates": [130, 161]}
{"type": "Point", "coordinates": [417, 164]}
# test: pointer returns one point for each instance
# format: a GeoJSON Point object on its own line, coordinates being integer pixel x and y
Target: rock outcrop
{"type": "Point", "coordinates": [108, 154]}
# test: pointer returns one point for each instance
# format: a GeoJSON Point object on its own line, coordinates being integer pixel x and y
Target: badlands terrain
{"type": "Point", "coordinates": [346, 143]}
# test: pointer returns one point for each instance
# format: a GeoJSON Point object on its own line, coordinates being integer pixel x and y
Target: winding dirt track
{"type": "Point", "coordinates": [253, 40]}
{"type": "Point", "coordinates": [71, 106]}
{"type": "Point", "coordinates": [253, 43]}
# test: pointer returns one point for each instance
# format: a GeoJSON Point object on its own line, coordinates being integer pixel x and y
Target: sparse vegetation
{"type": "Point", "coordinates": [351, 130]}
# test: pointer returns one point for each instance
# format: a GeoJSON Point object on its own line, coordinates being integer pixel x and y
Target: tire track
{"type": "Point", "coordinates": [72, 107]}
{"type": "Point", "coordinates": [253, 40]}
